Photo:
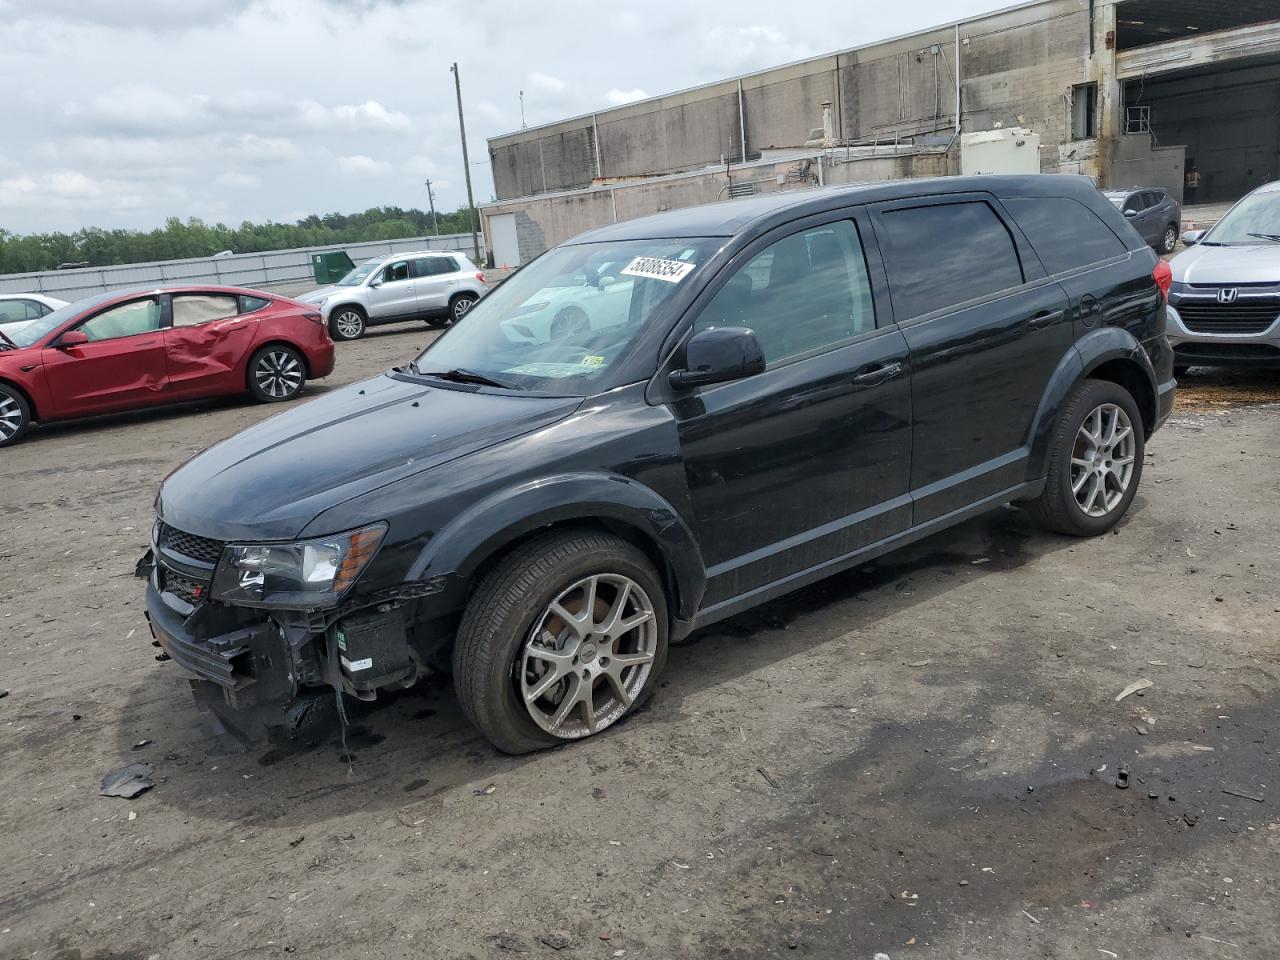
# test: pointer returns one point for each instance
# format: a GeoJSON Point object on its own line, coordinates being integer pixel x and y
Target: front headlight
{"type": "Point", "coordinates": [302, 575]}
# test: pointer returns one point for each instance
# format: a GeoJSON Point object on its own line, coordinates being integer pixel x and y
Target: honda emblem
{"type": "Point", "coordinates": [1228, 295]}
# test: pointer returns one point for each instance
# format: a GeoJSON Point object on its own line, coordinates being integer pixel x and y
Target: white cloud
{"type": "Point", "coordinates": [544, 81]}
{"type": "Point", "coordinates": [370, 115]}
{"type": "Point", "coordinates": [361, 164]}
{"type": "Point", "coordinates": [618, 97]}
{"type": "Point", "coordinates": [236, 180]}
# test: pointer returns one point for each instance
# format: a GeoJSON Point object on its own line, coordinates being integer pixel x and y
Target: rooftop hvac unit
{"type": "Point", "coordinates": [1004, 150]}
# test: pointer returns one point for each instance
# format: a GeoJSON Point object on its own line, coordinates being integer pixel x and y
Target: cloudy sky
{"type": "Point", "coordinates": [124, 112]}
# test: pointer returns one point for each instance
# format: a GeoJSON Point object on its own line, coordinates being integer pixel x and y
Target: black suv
{"type": "Point", "coordinates": [763, 392]}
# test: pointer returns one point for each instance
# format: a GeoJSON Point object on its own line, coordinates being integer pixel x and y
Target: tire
{"type": "Point", "coordinates": [459, 306]}
{"type": "Point", "coordinates": [570, 322]}
{"type": "Point", "coordinates": [347, 323]}
{"type": "Point", "coordinates": [276, 373]}
{"type": "Point", "coordinates": [1169, 239]}
{"type": "Point", "coordinates": [494, 671]}
{"type": "Point", "coordinates": [15, 415]}
{"type": "Point", "coordinates": [1059, 507]}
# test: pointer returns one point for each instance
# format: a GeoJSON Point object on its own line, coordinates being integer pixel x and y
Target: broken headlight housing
{"type": "Point", "coordinates": [300, 575]}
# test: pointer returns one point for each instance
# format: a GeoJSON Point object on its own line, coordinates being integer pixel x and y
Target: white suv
{"type": "Point", "coordinates": [435, 286]}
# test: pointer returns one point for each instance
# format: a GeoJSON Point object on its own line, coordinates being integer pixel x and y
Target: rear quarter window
{"type": "Point", "coordinates": [1066, 234]}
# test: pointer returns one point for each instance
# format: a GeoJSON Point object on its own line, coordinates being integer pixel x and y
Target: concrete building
{"type": "Point", "coordinates": [1172, 93]}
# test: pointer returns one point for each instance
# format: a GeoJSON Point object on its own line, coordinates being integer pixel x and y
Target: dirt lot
{"type": "Point", "coordinates": [915, 759]}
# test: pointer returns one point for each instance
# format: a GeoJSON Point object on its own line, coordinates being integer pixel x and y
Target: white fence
{"type": "Point", "coordinates": [237, 270]}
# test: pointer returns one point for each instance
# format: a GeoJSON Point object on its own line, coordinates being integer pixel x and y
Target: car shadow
{"type": "Point", "coordinates": [416, 746]}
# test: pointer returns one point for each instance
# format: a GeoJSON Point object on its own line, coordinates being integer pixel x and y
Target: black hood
{"type": "Point", "coordinates": [269, 481]}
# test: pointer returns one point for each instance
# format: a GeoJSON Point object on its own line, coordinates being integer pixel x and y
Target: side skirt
{"type": "Point", "coordinates": [745, 601]}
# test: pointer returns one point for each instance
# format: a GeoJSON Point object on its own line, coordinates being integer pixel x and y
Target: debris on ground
{"type": "Point", "coordinates": [1030, 917]}
{"type": "Point", "coordinates": [142, 743]}
{"type": "Point", "coordinates": [556, 941]}
{"type": "Point", "coordinates": [128, 781]}
{"type": "Point", "coordinates": [1134, 687]}
{"type": "Point", "coordinates": [1122, 778]}
{"type": "Point", "coordinates": [505, 941]}
{"type": "Point", "coordinates": [294, 843]}
{"type": "Point", "coordinates": [486, 791]}
{"type": "Point", "coordinates": [772, 782]}
{"type": "Point", "coordinates": [3, 693]}
{"type": "Point", "coordinates": [1243, 794]}
{"type": "Point", "coordinates": [1142, 731]}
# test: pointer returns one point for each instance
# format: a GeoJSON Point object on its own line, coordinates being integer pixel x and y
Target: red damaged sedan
{"type": "Point", "coordinates": [125, 350]}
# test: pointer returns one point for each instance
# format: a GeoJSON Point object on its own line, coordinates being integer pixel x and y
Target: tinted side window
{"type": "Point", "coordinates": [396, 271]}
{"type": "Point", "coordinates": [807, 291]}
{"type": "Point", "coordinates": [190, 309]}
{"type": "Point", "coordinates": [1066, 234]}
{"type": "Point", "coordinates": [947, 254]}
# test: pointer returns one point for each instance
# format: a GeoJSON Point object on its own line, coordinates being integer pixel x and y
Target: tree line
{"type": "Point", "coordinates": [179, 239]}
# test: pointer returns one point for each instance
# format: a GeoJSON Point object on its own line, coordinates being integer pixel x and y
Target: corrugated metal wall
{"type": "Point", "coordinates": [239, 270]}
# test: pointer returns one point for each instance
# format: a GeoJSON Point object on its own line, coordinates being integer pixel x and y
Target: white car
{"type": "Point", "coordinates": [594, 298]}
{"type": "Point", "coordinates": [19, 309]}
{"type": "Point", "coordinates": [431, 285]}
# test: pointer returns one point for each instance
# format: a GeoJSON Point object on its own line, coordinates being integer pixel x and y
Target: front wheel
{"type": "Point", "coordinates": [1169, 239]}
{"type": "Point", "coordinates": [15, 416]}
{"type": "Point", "coordinates": [347, 323]}
{"type": "Point", "coordinates": [276, 373]}
{"type": "Point", "coordinates": [1095, 461]}
{"type": "Point", "coordinates": [561, 640]}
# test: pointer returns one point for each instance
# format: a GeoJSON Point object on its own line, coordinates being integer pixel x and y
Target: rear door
{"type": "Point", "coordinates": [985, 328]}
{"type": "Point", "coordinates": [395, 294]}
{"type": "Point", "coordinates": [207, 342]}
{"type": "Point", "coordinates": [809, 460]}
{"type": "Point", "coordinates": [436, 277]}
{"type": "Point", "coordinates": [122, 365]}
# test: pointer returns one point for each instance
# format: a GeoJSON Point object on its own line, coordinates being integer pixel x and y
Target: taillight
{"type": "Point", "coordinates": [480, 277]}
{"type": "Point", "coordinates": [314, 318]}
{"type": "Point", "coordinates": [1163, 276]}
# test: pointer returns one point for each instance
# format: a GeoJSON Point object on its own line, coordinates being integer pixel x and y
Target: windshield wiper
{"type": "Point", "coordinates": [458, 375]}
{"type": "Point", "coordinates": [11, 344]}
{"type": "Point", "coordinates": [1273, 237]}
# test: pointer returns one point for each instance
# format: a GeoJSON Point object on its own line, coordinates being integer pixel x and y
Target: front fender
{"type": "Point", "coordinates": [457, 551]}
{"type": "Point", "coordinates": [1088, 354]}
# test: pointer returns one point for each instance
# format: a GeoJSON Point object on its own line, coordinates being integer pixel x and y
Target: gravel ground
{"type": "Point", "coordinates": [917, 758]}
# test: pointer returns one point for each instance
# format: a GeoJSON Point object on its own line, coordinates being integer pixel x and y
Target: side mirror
{"type": "Point", "coordinates": [1192, 237]}
{"type": "Point", "coordinates": [718, 355]}
{"type": "Point", "coordinates": [1130, 214]}
{"type": "Point", "coordinates": [72, 338]}
{"type": "Point", "coordinates": [375, 282]}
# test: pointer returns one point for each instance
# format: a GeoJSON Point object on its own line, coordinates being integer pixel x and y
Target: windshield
{"type": "Point", "coordinates": [29, 331]}
{"type": "Point", "coordinates": [560, 323]}
{"type": "Point", "coordinates": [1255, 219]}
{"type": "Point", "coordinates": [357, 276]}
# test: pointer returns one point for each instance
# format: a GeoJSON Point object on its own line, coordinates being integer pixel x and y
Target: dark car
{"type": "Point", "coordinates": [140, 348]}
{"type": "Point", "coordinates": [1152, 212]}
{"type": "Point", "coordinates": [805, 381]}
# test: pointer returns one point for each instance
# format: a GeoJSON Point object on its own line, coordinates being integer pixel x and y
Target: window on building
{"type": "Point", "coordinates": [1066, 234]}
{"type": "Point", "coordinates": [1084, 111]}
{"type": "Point", "coordinates": [947, 254]}
{"type": "Point", "coordinates": [808, 291]}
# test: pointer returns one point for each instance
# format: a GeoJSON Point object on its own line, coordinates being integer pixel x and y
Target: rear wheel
{"type": "Point", "coordinates": [459, 306]}
{"type": "Point", "coordinates": [1095, 461]}
{"type": "Point", "coordinates": [15, 415]}
{"type": "Point", "coordinates": [347, 323]}
{"type": "Point", "coordinates": [1169, 239]}
{"type": "Point", "coordinates": [276, 373]}
{"type": "Point", "coordinates": [570, 322]}
{"type": "Point", "coordinates": [561, 640]}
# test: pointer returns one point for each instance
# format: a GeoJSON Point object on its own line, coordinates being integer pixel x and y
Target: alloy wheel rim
{"type": "Point", "coordinates": [588, 656]}
{"type": "Point", "coordinates": [10, 417]}
{"type": "Point", "coordinates": [279, 374]}
{"type": "Point", "coordinates": [1102, 460]}
{"type": "Point", "coordinates": [570, 323]}
{"type": "Point", "coordinates": [1170, 238]}
{"type": "Point", "coordinates": [349, 324]}
{"type": "Point", "coordinates": [461, 306]}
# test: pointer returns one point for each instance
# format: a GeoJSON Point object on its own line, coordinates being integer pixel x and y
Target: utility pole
{"type": "Point", "coordinates": [523, 126]}
{"type": "Point", "coordinates": [466, 163]}
{"type": "Point", "coordinates": [435, 227]}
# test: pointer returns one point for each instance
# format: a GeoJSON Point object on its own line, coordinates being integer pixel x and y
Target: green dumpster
{"type": "Point", "coordinates": [330, 267]}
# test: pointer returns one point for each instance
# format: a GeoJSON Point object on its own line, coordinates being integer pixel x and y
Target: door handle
{"type": "Point", "coordinates": [1045, 317]}
{"type": "Point", "coordinates": [877, 375]}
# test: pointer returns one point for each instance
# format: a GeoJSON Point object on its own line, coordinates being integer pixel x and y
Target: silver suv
{"type": "Point", "coordinates": [438, 287]}
{"type": "Point", "coordinates": [1224, 307]}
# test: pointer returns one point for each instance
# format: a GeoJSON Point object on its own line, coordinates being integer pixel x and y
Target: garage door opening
{"type": "Point", "coordinates": [1227, 116]}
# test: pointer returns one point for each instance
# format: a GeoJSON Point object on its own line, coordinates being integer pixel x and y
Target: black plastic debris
{"type": "Point", "coordinates": [1122, 778]}
{"type": "Point", "coordinates": [128, 781]}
